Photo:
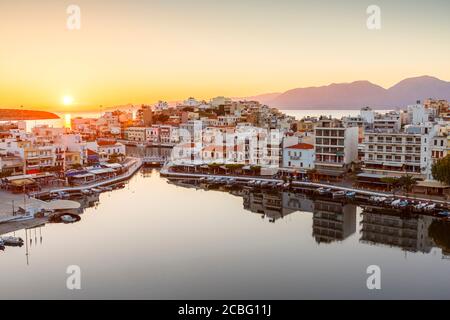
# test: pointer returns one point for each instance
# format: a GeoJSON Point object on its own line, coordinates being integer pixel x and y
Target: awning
{"type": "Point", "coordinates": [113, 165]}
{"type": "Point", "coordinates": [330, 173]}
{"type": "Point", "coordinates": [371, 175]}
{"type": "Point", "coordinates": [393, 164]}
{"type": "Point", "coordinates": [22, 182]}
{"type": "Point", "coordinates": [101, 171]}
{"type": "Point", "coordinates": [82, 176]}
{"type": "Point", "coordinates": [432, 184]}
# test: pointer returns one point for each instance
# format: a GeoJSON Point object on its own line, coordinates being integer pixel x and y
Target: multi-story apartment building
{"type": "Point", "coordinates": [399, 153]}
{"type": "Point", "coordinates": [336, 146]}
{"type": "Point", "coordinates": [38, 157]}
{"type": "Point", "coordinates": [136, 134]}
{"type": "Point", "coordinates": [439, 145]}
{"type": "Point", "coordinates": [11, 165]}
{"type": "Point", "coordinates": [152, 134]}
{"type": "Point", "coordinates": [371, 120]}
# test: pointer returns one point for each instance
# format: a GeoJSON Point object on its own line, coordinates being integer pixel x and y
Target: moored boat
{"type": "Point", "coordinates": [12, 241]}
{"type": "Point", "coordinates": [338, 194]}
{"type": "Point", "coordinates": [323, 191]}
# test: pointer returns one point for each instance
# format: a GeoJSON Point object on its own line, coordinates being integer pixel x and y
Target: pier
{"type": "Point", "coordinates": [154, 161]}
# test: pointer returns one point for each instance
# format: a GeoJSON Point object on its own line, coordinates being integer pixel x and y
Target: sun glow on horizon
{"type": "Point", "coordinates": [67, 100]}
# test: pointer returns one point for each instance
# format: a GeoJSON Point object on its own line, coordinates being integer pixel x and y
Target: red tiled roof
{"type": "Point", "coordinates": [302, 146]}
{"type": "Point", "coordinates": [91, 152]}
{"type": "Point", "coordinates": [106, 142]}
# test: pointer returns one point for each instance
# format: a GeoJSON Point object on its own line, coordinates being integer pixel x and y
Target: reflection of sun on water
{"type": "Point", "coordinates": [67, 120]}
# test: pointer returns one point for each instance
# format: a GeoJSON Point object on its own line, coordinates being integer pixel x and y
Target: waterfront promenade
{"type": "Point", "coordinates": [166, 173]}
{"type": "Point", "coordinates": [136, 164]}
{"type": "Point", "coordinates": [10, 201]}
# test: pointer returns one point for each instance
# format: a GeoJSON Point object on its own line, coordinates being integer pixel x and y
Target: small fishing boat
{"type": "Point", "coordinates": [68, 219]}
{"type": "Point", "coordinates": [350, 194]}
{"type": "Point", "coordinates": [251, 183]}
{"type": "Point", "coordinates": [444, 214]}
{"type": "Point", "coordinates": [264, 184]}
{"type": "Point", "coordinates": [323, 191]}
{"type": "Point", "coordinates": [286, 185]}
{"type": "Point", "coordinates": [95, 190]}
{"type": "Point", "coordinates": [338, 194]}
{"type": "Point", "coordinates": [280, 184]}
{"type": "Point", "coordinates": [12, 241]}
{"type": "Point", "coordinates": [399, 203]}
{"type": "Point", "coordinates": [421, 205]}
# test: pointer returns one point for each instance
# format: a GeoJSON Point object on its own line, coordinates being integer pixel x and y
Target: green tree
{"type": "Point", "coordinates": [392, 182]}
{"type": "Point", "coordinates": [441, 170]}
{"type": "Point", "coordinates": [407, 182]}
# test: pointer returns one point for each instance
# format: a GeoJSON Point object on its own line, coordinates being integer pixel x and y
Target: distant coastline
{"type": "Point", "coordinates": [16, 114]}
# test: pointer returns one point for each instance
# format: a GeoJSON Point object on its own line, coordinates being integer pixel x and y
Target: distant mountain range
{"type": "Point", "coordinates": [359, 94]}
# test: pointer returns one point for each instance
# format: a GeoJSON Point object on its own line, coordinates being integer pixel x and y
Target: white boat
{"type": "Point", "coordinates": [421, 205]}
{"type": "Point", "coordinates": [96, 190]}
{"type": "Point", "coordinates": [339, 194]}
{"type": "Point", "coordinates": [86, 192]}
{"type": "Point", "coordinates": [324, 191]}
{"type": "Point", "coordinates": [68, 219]}
{"type": "Point", "coordinates": [12, 241]}
{"type": "Point", "coordinates": [395, 203]}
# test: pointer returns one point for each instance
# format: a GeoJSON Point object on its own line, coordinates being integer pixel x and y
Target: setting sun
{"type": "Point", "coordinates": [67, 100]}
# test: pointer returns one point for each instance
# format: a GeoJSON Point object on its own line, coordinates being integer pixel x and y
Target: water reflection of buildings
{"type": "Point", "coordinates": [333, 221]}
{"type": "Point", "coordinates": [275, 205]}
{"type": "Point", "coordinates": [150, 152]}
{"type": "Point", "coordinates": [408, 233]}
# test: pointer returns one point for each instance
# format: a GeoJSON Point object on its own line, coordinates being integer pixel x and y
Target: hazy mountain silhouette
{"type": "Point", "coordinates": [359, 94]}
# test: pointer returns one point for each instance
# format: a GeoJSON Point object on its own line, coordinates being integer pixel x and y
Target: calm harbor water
{"type": "Point", "coordinates": [160, 239]}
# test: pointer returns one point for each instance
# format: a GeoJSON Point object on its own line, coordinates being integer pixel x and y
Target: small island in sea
{"type": "Point", "coordinates": [16, 114]}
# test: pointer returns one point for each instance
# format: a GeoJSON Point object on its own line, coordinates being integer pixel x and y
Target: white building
{"type": "Point", "coordinates": [398, 153]}
{"type": "Point", "coordinates": [336, 146]}
{"type": "Point", "coordinates": [300, 156]}
{"type": "Point", "coordinates": [136, 134]}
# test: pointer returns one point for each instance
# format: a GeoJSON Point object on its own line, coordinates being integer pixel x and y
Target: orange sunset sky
{"type": "Point", "coordinates": [139, 51]}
